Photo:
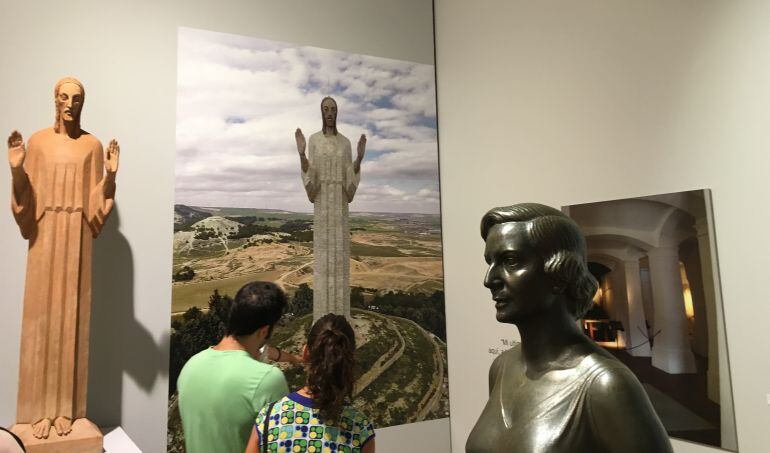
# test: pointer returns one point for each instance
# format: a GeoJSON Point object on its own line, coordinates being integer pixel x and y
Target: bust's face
{"type": "Point", "coordinates": [329, 112]}
{"type": "Point", "coordinates": [69, 101]}
{"type": "Point", "coordinates": [515, 274]}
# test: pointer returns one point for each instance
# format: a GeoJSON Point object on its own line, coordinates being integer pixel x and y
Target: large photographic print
{"type": "Point", "coordinates": [659, 306]}
{"type": "Point", "coordinates": [243, 213]}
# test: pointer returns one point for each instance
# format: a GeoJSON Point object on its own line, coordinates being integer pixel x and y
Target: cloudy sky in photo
{"type": "Point", "coordinates": [240, 100]}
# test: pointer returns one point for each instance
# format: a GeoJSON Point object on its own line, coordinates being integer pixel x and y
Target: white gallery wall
{"type": "Point", "coordinates": [564, 102]}
{"type": "Point", "coordinates": [125, 54]}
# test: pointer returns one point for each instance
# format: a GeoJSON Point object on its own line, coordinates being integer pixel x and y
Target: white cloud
{"type": "Point", "coordinates": [240, 100]}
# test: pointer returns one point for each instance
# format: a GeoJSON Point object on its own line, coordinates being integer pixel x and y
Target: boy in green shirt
{"type": "Point", "coordinates": [222, 388]}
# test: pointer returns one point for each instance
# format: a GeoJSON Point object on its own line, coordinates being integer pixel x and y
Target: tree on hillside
{"type": "Point", "coordinates": [357, 297]}
{"type": "Point", "coordinates": [197, 331]}
{"type": "Point", "coordinates": [425, 310]}
{"type": "Point", "coordinates": [184, 274]}
{"type": "Point", "coordinates": [205, 233]}
{"type": "Point", "coordinates": [302, 302]}
{"type": "Point", "coordinates": [247, 231]}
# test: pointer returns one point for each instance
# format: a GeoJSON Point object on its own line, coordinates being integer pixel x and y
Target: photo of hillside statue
{"type": "Point", "coordinates": [315, 169]}
{"type": "Point", "coordinates": [658, 308]}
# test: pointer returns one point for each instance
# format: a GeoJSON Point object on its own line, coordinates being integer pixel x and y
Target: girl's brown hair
{"type": "Point", "coordinates": [331, 346]}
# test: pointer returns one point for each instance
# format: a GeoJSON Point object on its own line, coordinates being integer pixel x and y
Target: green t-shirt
{"type": "Point", "coordinates": [220, 394]}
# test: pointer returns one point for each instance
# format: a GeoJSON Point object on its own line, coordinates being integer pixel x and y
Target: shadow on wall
{"type": "Point", "coordinates": [120, 344]}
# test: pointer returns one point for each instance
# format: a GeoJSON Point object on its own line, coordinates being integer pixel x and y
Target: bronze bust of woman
{"type": "Point", "coordinates": [557, 391]}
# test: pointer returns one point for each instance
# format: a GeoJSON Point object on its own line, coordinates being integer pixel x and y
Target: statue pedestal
{"type": "Point", "coordinates": [84, 438]}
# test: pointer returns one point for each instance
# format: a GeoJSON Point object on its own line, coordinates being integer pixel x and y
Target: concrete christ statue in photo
{"type": "Point", "coordinates": [330, 177]}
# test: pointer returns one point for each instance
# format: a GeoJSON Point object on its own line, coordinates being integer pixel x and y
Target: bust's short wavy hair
{"type": "Point", "coordinates": [559, 242]}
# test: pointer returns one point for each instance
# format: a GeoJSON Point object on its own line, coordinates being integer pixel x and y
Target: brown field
{"type": "Point", "coordinates": [382, 259]}
{"type": "Point", "coordinates": [404, 242]}
{"type": "Point", "coordinates": [383, 273]}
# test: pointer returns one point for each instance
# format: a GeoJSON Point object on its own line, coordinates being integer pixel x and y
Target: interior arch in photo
{"type": "Point", "coordinates": [659, 306]}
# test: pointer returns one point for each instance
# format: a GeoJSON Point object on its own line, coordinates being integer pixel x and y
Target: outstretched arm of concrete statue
{"type": "Point", "coordinates": [22, 199]}
{"type": "Point", "coordinates": [301, 146]}
{"type": "Point", "coordinates": [309, 177]}
{"type": "Point", "coordinates": [103, 194]}
{"type": "Point", "coordinates": [360, 156]}
{"type": "Point", "coordinates": [353, 168]}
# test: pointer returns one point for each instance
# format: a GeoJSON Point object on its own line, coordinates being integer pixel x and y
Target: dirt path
{"type": "Point", "coordinates": [433, 395]}
{"type": "Point", "coordinates": [385, 361]}
{"type": "Point", "coordinates": [282, 279]}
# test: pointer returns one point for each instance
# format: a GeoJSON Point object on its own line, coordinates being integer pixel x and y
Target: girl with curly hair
{"type": "Point", "coordinates": [318, 417]}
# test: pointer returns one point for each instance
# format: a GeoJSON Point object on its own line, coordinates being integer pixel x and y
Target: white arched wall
{"type": "Point", "coordinates": [625, 301]}
{"type": "Point", "coordinates": [566, 102]}
{"type": "Point", "coordinates": [629, 229]}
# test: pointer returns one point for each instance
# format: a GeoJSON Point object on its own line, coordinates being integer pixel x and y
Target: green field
{"type": "Point", "coordinates": [366, 354]}
{"type": "Point", "coordinates": [392, 399]}
{"type": "Point", "coordinates": [428, 287]}
{"type": "Point", "coordinates": [394, 396]}
{"type": "Point", "coordinates": [210, 251]}
{"type": "Point", "coordinates": [385, 246]}
{"type": "Point", "coordinates": [197, 294]}
{"type": "Point", "coordinates": [373, 250]}
{"type": "Point", "coordinates": [283, 215]}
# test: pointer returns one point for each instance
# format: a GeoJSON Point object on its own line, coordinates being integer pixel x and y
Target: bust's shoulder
{"type": "Point", "coordinates": [611, 377]}
{"type": "Point", "coordinates": [621, 412]}
{"type": "Point", "coordinates": [512, 352]}
{"type": "Point", "coordinates": [317, 136]}
{"type": "Point", "coordinates": [509, 361]}
{"type": "Point", "coordinates": [508, 358]}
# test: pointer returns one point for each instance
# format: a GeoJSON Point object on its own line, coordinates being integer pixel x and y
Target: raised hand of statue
{"type": "Point", "coordinates": [16, 150]}
{"type": "Point", "coordinates": [113, 154]}
{"type": "Point", "coordinates": [361, 150]}
{"type": "Point", "coordinates": [301, 143]}
{"type": "Point", "coordinates": [361, 147]}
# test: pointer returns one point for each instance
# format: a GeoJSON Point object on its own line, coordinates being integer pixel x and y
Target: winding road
{"type": "Point", "coordinates": [385, 361]}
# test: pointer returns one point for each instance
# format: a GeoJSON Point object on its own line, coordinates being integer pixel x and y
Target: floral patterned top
{"type": "Point", "coordinates": [296, 427]}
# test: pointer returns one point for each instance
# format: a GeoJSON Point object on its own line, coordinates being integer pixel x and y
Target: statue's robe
{"type": "Point", "coordinates": [60, 211]}
{"type": "Point", "coordinates": [330, 183]}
